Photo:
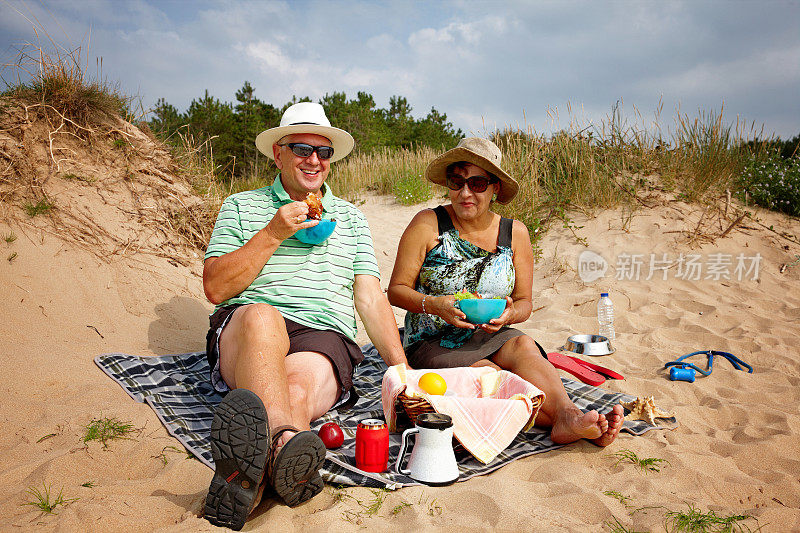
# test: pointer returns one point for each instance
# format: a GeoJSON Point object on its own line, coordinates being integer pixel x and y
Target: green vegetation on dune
{"type": "Point", "coordinates": [582, 167]}
{"type": "Point", "coordinates": [232, 127]}
{"type": "Point", "coordinates": [42, 500]}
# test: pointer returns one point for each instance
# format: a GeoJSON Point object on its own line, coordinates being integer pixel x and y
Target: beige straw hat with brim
{"type": "Point", "coordinates": [481, 152]}
{"type": "Point", "coordinates": [306, 117]}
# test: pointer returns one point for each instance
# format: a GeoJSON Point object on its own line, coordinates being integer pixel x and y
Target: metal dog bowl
{"type": "Point", "coordinates": [589, 345]}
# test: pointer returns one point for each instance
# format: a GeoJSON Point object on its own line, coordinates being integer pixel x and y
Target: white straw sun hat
{"type": "Point", "coordinates": [480, 152]}
{"type": "Point", "coordinates": [306, 117]}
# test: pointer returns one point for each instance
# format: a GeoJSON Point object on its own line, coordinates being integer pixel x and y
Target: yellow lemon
{"type": "Point", "coordinates": [432, 383]}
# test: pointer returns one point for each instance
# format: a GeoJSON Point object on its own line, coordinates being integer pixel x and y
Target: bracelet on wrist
{"type": "Point", "coordinates": [423, 304]}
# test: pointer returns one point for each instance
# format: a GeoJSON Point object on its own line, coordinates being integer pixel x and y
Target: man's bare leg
{"type": "Point", "coordinates": [521, 356]}
{"type": "Point", "coordinates": [253, 348]}
{"type": "Point", "coordinates": [295, 389]}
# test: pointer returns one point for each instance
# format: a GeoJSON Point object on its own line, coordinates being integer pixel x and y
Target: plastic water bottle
{"type": "Point", "coordinates": [605, 316]}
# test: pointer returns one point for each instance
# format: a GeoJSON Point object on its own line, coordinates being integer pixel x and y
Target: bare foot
{"type": "Point", "coordinates": [614, 419]}
{"type": "Point", "coordinates": [572, 424]}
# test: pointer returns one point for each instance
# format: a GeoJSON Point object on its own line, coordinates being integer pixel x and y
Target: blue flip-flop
{"type": "Point", "coordinates": [681, 371]}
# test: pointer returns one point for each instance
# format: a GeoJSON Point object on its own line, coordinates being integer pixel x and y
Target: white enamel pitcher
{"type": "Point", "coordinates": [432, 461]}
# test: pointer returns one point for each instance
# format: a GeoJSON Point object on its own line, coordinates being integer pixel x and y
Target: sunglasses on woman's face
{"type": "Point", "coordinates": [305, 150]}
{"type": "Point", "coordinates": [475, 183]}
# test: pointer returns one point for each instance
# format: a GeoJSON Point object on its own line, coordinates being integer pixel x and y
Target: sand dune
{"type": "Point", "coordinates": [734, 452]}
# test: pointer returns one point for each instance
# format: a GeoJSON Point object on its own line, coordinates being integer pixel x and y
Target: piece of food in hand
{"type": "Point", "coordinates": [314, 206]}
{"type": "Point", "coordinates": [331, 435]}
{"type": "Point", "coordinates": [466, 295]}
{"type": "Point", "coordinates": [432, 383]}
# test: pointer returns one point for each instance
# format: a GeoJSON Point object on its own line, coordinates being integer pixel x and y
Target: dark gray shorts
{"type": "Point", "coordinates": [342, 352]}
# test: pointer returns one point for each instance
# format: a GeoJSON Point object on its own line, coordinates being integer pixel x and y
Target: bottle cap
{"type": "Point", "coordinates": [602, 294]}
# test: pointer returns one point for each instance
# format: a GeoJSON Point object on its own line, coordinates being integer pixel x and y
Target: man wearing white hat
{"type": "Point", "coordinates": [282, 336]}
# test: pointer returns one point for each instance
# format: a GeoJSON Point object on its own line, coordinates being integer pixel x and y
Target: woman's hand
{"type": "Point", "coordinates": [290, 218]}
{"type": "Point", "coordinates": [495, 324]}
{"type": "Point", "coordinates": [445, 308]}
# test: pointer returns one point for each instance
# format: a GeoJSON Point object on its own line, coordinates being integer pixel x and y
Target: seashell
{"type": "Point", "coordinates": [645, 409]}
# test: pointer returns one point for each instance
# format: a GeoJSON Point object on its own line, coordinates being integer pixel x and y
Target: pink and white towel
{"type": "Point", "coordinates": [488, 407]}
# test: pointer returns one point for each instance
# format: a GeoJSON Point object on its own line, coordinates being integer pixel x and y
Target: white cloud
{"type": "Point", "coordinates": [269, 57]}
{"type": "Point", "coordinates": [482, 63]}
{"type": "Point", "coordinates": [759, 72]}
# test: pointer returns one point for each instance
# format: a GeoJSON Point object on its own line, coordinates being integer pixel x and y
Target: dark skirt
{"type": "Point", "coordinates": [482, 345]}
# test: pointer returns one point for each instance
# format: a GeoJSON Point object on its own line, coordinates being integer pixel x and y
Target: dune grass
{"type": "Point", "coordinates": [106, 429]}
{"type": "Point", "coordinates": [173, 449]}
{"type": "Point", "coordinates": [43, 501]}
{"type": "Point", "coordinates": [694, 521]}
{"type": "Point", "coordinates": [44, 205]}
{"type": "Point", "coordinates": [615, 526]}
{"type": "Point", "coordinates": [621, 498]}
{"type": "Point", "coordinates": [583, 167]}
{"type": "Point", "coordinates": [397, 172]}
{"type": "Point", "coordinates": [644, 464]}
{"type": "Point", "coordinates": [51, 75]}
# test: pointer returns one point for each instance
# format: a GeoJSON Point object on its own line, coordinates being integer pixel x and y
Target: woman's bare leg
{"type": "Point", "coordinates": [521, 356]}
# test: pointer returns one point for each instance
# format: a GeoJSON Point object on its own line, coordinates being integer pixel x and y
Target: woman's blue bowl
{"type": "Point", "coordinates": [482, 310]}
{"type": "Point", "coordinates": [317, 234]}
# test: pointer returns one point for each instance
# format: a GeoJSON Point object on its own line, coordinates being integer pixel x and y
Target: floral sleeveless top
{"type": "Point", "coordinates": [454, 265]}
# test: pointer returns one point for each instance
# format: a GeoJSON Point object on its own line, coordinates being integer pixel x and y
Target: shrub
{"type": "Point", "coordinates": [773, 182]}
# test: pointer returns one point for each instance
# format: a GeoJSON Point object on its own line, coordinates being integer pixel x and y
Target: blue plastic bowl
{"type": "Point", "coordinates": [318, 234]}
{"type": "Point", "coordinates": [482, 310]}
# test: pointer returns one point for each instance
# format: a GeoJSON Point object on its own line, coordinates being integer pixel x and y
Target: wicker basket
{"type": "Point", "coordinates": [417, 406]}
{"type": "Point", "coordinates": [414, 406]}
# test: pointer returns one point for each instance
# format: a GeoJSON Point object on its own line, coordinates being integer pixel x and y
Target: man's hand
{"type": "Point", "coordinates": [288, 220]}
{"type": "Point", "coordinates": [228, 275]}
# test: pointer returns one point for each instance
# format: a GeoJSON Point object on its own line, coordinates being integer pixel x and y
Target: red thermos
{"type": "Point", "coordinates": [372, 445]}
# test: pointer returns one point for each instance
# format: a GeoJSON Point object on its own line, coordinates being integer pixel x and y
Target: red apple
{"type": "Point", "coordinates": [331, 435]}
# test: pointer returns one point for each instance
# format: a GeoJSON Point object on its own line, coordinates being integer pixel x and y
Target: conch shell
{"type": "Point", "coordinates": [645, 409]}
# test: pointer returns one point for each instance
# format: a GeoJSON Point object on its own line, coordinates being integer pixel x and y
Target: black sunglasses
{"type": "Point", "coordinates": [305, 150]}
{"type": "Point", "coordinates": [475, 183]}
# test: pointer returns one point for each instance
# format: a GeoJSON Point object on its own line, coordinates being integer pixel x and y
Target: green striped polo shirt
{"type": "Point", "coordinates": [309, 284]}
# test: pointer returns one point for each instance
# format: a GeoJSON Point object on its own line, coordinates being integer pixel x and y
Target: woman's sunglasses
{"type": "Point", "coordinates": [475, 183]}
{"type": "Point", "coordinates": [305, 150]}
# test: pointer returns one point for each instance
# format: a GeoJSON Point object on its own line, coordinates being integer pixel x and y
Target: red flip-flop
{"type": "Point", "coordinates": [571, 365]}
{"type": "Point", "coordinates": [607, 372]}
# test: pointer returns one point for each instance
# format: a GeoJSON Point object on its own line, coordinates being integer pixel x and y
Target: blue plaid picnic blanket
{"type": "Point", "coordinates": [178, 389]}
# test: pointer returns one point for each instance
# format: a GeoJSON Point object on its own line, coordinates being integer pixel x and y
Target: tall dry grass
{"type": "Point", "coordinates": [708, 155]}
{"type": "Point", "coordinates": [58, 81]}
{"type": "Point", "coordinates": [583, 167]}
{"type": "Point", "coordinates": [396, 172]}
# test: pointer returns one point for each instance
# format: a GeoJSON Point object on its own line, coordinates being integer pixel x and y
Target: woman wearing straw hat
{"type": "Point", "coordinates": [466, 246]}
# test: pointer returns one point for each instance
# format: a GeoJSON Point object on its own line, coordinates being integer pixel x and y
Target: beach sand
{"type": "Point", "coordinates": [735, 450]}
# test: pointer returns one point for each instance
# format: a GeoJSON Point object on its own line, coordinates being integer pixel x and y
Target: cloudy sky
{"type": "Point", "coordinates": [484, 64]}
